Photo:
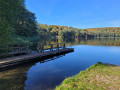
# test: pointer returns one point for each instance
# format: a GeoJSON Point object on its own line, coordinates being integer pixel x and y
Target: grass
{"type": "Point", "coordinates": [97, 77]}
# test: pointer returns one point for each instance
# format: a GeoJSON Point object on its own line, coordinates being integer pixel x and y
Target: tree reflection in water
{"type": "Point", "coordinates": [14, 78]}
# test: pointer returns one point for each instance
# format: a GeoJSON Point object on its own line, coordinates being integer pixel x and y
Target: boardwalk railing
{"type": "Point", "coordinates": [19, 50]}
{"type": "Point", "coordinates": [11, 51]}
{"type": "Point", "coordinates": [15, 50]}
{"type": "Point", "coordinates": [52, 47]}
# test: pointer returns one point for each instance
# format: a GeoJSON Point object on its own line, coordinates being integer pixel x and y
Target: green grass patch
{"type": "Point", "coordinates": [97, 77]}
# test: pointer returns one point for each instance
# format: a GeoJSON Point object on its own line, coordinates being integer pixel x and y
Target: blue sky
{"type": "Point", "coordinates": [76, 13]}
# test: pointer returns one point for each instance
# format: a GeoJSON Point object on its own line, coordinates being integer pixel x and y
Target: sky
{"type": "Point", "coordinates": [76, 13]}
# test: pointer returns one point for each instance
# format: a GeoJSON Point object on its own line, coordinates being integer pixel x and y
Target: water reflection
{"type": "Point", "coordinates": [45, 74]}
{"type": "Point", "coordinates": [55, 57]}
{"type": "Point", "coordinates": [80, 41]}
{"type": "Point", "coordinates": [14, 78]}
{"type": "Point", "coordinates": [94, 42]}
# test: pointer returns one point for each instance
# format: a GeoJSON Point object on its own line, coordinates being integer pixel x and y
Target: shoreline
{"type": "Point", "coordinates": [97, 77]}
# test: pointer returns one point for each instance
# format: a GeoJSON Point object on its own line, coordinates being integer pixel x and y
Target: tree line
{"type": "Point", "coordinates": [19, 25]}
{"type": "Point", "coordinates": [70, 32]}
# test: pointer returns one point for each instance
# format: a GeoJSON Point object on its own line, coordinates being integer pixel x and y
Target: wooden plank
{"type": "Point", "coordinates": [27, 58]}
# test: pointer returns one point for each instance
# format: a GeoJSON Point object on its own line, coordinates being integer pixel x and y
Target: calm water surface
{"type": "Point", "coordinates": [46, 75]}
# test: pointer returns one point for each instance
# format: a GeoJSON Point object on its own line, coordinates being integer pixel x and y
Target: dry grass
{"type": "Point", "coordinates": [97, 77]}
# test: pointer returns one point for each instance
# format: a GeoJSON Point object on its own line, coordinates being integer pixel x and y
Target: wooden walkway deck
{"type": "Point", "coordinates": [4, 63]}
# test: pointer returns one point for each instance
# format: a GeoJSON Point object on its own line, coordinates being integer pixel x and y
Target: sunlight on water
{"type": "Point", "coordinates": [46, 74]}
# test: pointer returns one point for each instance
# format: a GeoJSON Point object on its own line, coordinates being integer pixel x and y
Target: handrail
{"type": "Point", "coordinates": [15, 50]}
{"type": "Point", "coordinates": [57, 47]}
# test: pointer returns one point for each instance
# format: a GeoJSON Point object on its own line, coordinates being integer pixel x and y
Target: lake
{"type": "Point", "coordinates": [47, 74]}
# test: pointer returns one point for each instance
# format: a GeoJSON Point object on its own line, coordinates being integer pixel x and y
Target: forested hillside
{"type": "Point", "coordinates": [19, 25]}
{"type": "Point", "coordinates": [67, 32]}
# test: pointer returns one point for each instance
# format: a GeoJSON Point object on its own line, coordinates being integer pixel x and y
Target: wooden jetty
{"type": "Point", "coordinates": [31, 56]}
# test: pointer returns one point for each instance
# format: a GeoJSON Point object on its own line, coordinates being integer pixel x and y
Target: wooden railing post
{"type": "Point", "coordinates": [58, 46]}
{"type": "Point", "coordinates": [41, 49]}
{"type": "Point", "coordinates": [51, 49]}
{"type": "Point", "coordinates": [64, 46]}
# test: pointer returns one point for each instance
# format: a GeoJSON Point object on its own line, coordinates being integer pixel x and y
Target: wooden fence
{"type": "Point", "coordinates": [10, 51]}
{"type": "Point", "coordinates": [52, 47]}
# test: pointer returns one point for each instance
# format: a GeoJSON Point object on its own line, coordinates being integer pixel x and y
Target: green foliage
{"type": "Point", "coordinates": [15, 22]}
{"type": "Point", "coordinates": [18, 25]}
{"type": "Point", "coordinates": [70, 32]}
{"type": "Point", "coordinates": [25, 23]}
{"type": "Point", "coordinates": [43, 31]}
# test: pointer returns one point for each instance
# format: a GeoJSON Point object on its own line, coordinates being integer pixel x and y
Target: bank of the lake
{"type": "Point", "coordinates": [97, 77]}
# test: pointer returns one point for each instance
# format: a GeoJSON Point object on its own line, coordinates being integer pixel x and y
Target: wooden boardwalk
{"type": "Point", "coordinates": [12, 61]}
